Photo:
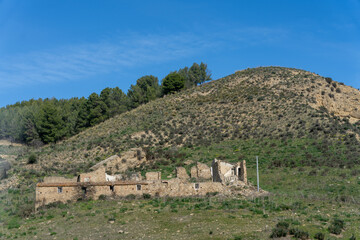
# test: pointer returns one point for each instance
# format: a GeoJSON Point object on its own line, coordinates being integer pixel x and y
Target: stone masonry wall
{"type": "Point", "coordinates": [201, 171]}
{"type": "Point", "coordinates": [59, 180]}
{"type": "Point", "coordinates": [94, 176]}
{"type": "Point", "coordinates": [243, 174]}
{"type": "Point", "coordinates": [153, 176]}
{"type": "Point", "coordinates": [181, 173]}
{"type": "Point", "coordinates": [46, 195]}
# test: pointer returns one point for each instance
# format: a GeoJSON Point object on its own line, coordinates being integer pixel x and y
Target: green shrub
{"type": "Point", "coordinates": [319, 236]}
{"type": "Point", "coordinates": [300, 234]}
{"type": "Point", "coordinates": [123, 209]}
{"type": "Point", "coordinates": [102, 197]}
{"type": "Point", "coordinates": [336, 226]}
{"type": "Point", "coordinates": [278, 232]}
{"type": "Point", "coordinates": [32, 159]}
{"type": "Point", "coordinates": [328, 80]}
{"type": "Point", "coordinates": [282, 224]}
{"type": "Point", "coordinates": [281, 230]}
{"type": "Point", "coordinates": [146, 196]}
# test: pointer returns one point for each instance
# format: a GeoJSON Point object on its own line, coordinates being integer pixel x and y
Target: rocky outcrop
{"type": "Point", "coordinates": [342, 102]}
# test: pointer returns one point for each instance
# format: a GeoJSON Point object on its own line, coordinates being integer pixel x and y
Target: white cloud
{"type": "Point", "coordinates": [81, 61]}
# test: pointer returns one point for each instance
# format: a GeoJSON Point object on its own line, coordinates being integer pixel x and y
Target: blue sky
{"type": "Point", "coordinates": [71, 48]}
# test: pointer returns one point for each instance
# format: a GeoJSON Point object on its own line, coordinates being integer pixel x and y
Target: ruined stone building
{"type": "Point", "coordinates": [220, 178]}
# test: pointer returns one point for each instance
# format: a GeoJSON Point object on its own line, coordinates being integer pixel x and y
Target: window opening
{"type": "Point", "coordinates": [112, 188]}
{"type": "Point", "coordinates": [60, 189]}
{"type": "Point", "coordinates": [196, 186]}
{"type": "Point", "coordinates": [138, 187]}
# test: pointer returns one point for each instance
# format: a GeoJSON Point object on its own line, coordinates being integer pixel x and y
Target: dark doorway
{"type": "Point", "coordinates": [112, 188]}
{"type": "Point", "coordinates": [84, 190]}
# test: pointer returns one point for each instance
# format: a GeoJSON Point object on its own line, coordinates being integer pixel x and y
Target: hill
{"type": "Point", "coordinates": [304, 127]}
{"type": "Point", "coordinates": [289, 117]}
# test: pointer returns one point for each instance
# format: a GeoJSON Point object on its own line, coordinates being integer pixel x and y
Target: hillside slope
{"type": "Point", "coordinates": [290, 117]}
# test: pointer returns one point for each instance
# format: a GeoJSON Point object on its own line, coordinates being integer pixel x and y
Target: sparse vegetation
{"type": "Point", "coordinates": [309, 161]}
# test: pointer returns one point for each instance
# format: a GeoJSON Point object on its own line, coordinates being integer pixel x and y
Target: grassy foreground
{"type": "Point", "coordinates": [308, 199]}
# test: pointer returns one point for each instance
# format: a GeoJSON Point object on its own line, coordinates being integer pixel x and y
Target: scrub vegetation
{"type": "Point", "coordinates": [294, 120]}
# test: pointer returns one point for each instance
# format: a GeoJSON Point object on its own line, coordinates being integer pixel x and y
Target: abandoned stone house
{"type": "Point", "coordinates": [220, 177]}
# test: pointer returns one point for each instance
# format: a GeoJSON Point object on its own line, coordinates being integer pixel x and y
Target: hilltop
{"type": "Point", "coordinates": [266, 110]}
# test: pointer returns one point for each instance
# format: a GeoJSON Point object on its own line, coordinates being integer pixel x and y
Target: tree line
{"type": "Point", "coordinates": [42, 121]}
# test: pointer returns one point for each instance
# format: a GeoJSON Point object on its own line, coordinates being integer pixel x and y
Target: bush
{"type": "Point", "coordinates": [328, 80]}
{"type": "Point", "coordinates": [334, 229]}
{"type": "Point", "coordinates": [336, 226]}
{"type": "Point", "coordinates": [299, 234]}
{"type": "Point", "coordinates": [32, 159]}
{"type": "Point", "coordinates": [319, 236]}
{"type": "Point", "coordinates": [278, 232]}
{"type": "Point", "coordinates": [102, 197]}
{"type": "Point", "coordinates": [282, 224]}
{"type": "Point", "coordinates": [146, 196]}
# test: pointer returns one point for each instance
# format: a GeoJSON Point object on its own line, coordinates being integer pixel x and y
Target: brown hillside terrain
{"type": "Point", "coordinates": [254, 104]}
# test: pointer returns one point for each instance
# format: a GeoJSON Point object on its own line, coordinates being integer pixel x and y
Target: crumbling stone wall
{"type": "Point", "coordinates": [217, 177]}
{"type": "Point", "coordinates": [178, 188]}
{"type": "Point", "coordinates": [94, 176]}
{"type": "Point", "coordinates": [50, 194]}
{"type": "Point", "coordinates": [243, 174]}
{"type": "Point", "coordinates": [117, 164]}
{"type": "Point", "coordinates": [181, 173]}
{"type": "Point", "coordinates": [94, 184]}
{"type": "Point", "coordinates": [151, 176]}
{"type": "Point", "coordinates": [228, 173]}
{"type": "Point", "coordinates": [201, 171]}
{"type": "Point", "coordinates": [59, 180]}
